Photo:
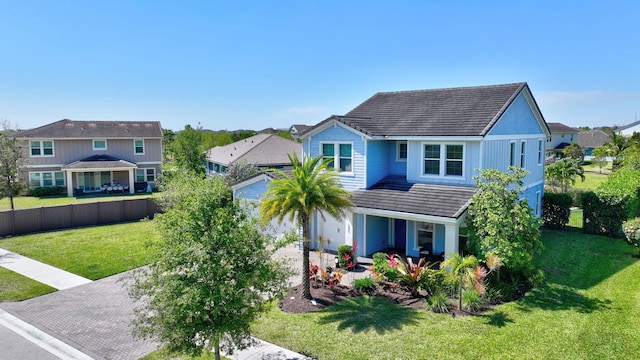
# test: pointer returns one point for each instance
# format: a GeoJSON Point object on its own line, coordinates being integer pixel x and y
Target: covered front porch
{"type": "Point", "coordinates": [100, 173]}
{"type": "Point", "coordinates": [417, 220]}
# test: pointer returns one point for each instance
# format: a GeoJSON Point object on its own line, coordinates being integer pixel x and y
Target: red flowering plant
{"type": "Point", "coordinates": [631, 230]}
{"type": "Point", "coordinates": [412, 276]}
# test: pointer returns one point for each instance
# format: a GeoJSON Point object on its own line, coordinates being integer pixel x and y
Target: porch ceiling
{"type": "Point", "coordinates": [394, 193]}
{"type": "Point", "coordinates": [100, 162]}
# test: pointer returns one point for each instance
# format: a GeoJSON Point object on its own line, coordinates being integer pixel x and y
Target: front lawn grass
{"type": "Point", "coordinates": [587, 308]}
{"type": "Point", "coordinates": [92, 252]}
{"type": "Point", "coordinates": [28, 202]}
{"type": "Point", "coordinates": [15, 287]}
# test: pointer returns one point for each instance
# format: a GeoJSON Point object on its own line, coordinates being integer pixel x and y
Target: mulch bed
{"type": "Point", "coordinates": [329, 295]}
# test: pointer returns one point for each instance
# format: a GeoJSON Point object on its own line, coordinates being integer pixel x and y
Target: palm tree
{"type": "Point", "coordinates": [311, 188]}
{"type": "Point", "coordinates": [564, 172]}
{"type": "Point", "coordinates": [460, 269]}
{"type": "Point", "coordinates": [617, 147]}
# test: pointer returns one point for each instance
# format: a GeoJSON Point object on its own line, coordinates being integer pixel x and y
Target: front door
{"type": "Point", "coordinates": [399, 234]}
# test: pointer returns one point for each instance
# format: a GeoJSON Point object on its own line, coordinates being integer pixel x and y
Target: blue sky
{"type": "Point", "coordinates": [256, 64]}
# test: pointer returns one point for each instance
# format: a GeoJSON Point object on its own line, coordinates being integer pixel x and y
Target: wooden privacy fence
{"type": "Point", "coordinates": [24, 221]}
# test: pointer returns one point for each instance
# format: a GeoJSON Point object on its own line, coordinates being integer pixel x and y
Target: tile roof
{"type": "Point", "coordinates": [73, 129]}
{"type": "Point", "coordinates": [464, 111]}
{"type": "Point", "coordinates": [261, 149]}
{"type": "Point", "coordinates": [394, 193]}
{"type": "Point", "coordinates": [561, 128]}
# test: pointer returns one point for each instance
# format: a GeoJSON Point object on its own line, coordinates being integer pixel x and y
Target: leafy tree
{"type": "Point", "coordinates": [285, 134]}
{"type": "Point", "coordinates": [168, 136]}
{"type": "Point", "coordinates": [240, 135]}
{"type": "Point", "coordinates": [12, 158]}
{"type": "Point", "coordinates": [239, 171]}
{"type": "Point", "coordinates": [574, 151]}
{"type": "Point", "coordinates": [564, 173]}
{"type": "Point", "coordinates": [311, 189]}
{"type": "Point", "coordinates": [186, 151]}
{"type": "Point", "coordinates": [212, 139]}
{"type": "Point", "coordinates": [600, 157]}
{"type": "Point", "coordinates": [212, 274]}
{"type": "Point", "coordinates": [502, 223]}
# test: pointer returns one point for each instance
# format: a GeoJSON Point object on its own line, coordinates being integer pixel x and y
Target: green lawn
{"type": "Point", "coordinates": [27, 202]}
{"type": "Point", "coordinates": [15, 287]}
{"type": "Point", "coordinates": [588, 308]}
{"type": "Point", "coordinates": [92, 252]}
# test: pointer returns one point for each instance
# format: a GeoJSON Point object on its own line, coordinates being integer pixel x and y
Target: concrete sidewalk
{"type": "Point", "coordinates": [87, 320]}
{"type": "Point", "coordinates": [46, 274]}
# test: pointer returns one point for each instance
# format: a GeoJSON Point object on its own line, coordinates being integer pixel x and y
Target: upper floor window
{"type": "Point", "coordinates": [512, 153]}
{"type": "Point", "coordinates": [401, 151]}
{"type": "Point", "coordinates": [41, 148]}
{"type": "Point", "coordinates": [138, 145]}
{"type": "Point", "coordinates": [540, 152]}
{"type": "Point", "coordinates": [523, 147]}
{"type": "Point", "coordinates": [100, 144]}
{"type": "Point", "coordinates": [340, 154]}
{"type": "Point", "coordinates": [449, 162]}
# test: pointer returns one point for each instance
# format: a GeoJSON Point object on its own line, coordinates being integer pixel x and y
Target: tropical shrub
{"type": "Point", "coordinates": [346, 256]}
{"type": "Point", "coordinates": [382, 268]}
{"type": "Point", "coordinates": [631, 229]}
{"type": "Point", "coordinates": [438, 302]}
{"type": "Point", "coordinates": [364, 285]}
{"type": "Point", "coordinates": [412, 276]}
{"type": "Point", "coordinates": [471, 300]}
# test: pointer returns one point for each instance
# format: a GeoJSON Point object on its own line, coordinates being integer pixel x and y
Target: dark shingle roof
{"type": "Point", "coordinates": [561, 128]}
{"type": "Point", "coordinates": [592, 138]}
{"type": "Point", "coordinates": [99, 162]}
{"type": "Point", "coordinates": [394, 193]}
{"type": "Point", "coordinates": [72, 129]}
{"type": "Point", "coordinates": [464, 111]}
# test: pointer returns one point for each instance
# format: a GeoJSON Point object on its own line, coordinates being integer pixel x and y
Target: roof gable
{"type": "Point", "coordinates": [72, 129]}
{"type": "Point", "coordinates": [465, 111]}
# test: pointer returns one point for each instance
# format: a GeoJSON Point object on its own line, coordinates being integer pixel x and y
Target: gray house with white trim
{"type": "Point", "coordinates": [93, 156]}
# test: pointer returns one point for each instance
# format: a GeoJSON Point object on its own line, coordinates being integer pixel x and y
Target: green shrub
{"type": "Point", "coordinates": [47, 191]}
{"type": "Point", "coordinates": [556, 208]}
{"type": "Point", "coordinates": [439, 302]}
{"type": "Point", "coordinates": [342, 251]}
{"type": "Point", "coordinates": [471, 300]}
{"type": "Point", "coordinates": [624, 183]}
{"type": "Point", "coordinates": [382, 268]}
{"type": "Point", "coordinates": [604, 213]}
{"type": "Point", "coordinates": [364, 285]}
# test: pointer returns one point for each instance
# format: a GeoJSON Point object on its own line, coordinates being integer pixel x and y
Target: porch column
{"type": "Point", "coordinates": [131, 182]}
{"type": "Point", "coordinates": [451, 235]}
{"type": "Point", "coordinates": [69, 183]}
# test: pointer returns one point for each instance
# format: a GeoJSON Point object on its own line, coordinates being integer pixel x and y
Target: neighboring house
{"type": "Point", "coordinates": [591, 139]}
{"type": "Point", "coordinates": [629, 129]}
{"type": "Point", "coordinates": [93, 156]}
{"type": "Point", "coordinates": [410, 157]}
{"type": "Point", "coordinates": [298, 129]}
{"type": "Point", "coordinates": [262, 150]}
{"type": "Point", "coordinates": [561, 137]}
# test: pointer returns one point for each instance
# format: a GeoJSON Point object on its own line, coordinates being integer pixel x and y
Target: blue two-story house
{"type": "Point", "coordinates": [409, 158]}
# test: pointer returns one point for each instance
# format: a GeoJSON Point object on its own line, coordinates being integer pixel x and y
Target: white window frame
{"type": "Point", "coordinates": [398, 151]}
{"type": "Point", "coordinates": [99, 148]}
{"type": "Point", "coordinates": [134, 147]}
{"type": "Point", "coordinates": [523, 153]}
{"type": "Point", "coordinates": [41, 148]}
{"type": "Point", "coordinates": [442, 172]}
{"type": "Point", "coordinates": [336, 155]}
{"type": "Point", "coordinates": [145, 174]}
{"type": "Point", "coordinates": [540, 152]}
{"type": "Point", "coordinates": [416, 244]}
{"type": "Point", "coordinates": [53, 178]}
{"type": "Point", "coordinates": [538, 204]}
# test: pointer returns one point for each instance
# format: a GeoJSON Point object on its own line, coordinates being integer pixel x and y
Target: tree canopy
{"type": "Point", "coordinates": [311, 189]}
{"type": "Point", "coordinates": [212, 274]}
{"type": "Point", "coordinates": [186, 151]}
{"type": "Point", "coordinates": [12, 158]}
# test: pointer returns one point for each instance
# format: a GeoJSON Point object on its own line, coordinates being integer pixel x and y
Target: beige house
{"type": "Point", "coordinates": [94, 156]}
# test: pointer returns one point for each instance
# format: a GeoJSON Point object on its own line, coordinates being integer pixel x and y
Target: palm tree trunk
{"type": "Point", "coordinates": [306, 287]}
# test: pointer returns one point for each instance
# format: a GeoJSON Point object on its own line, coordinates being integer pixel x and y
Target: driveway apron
{"type": "Point", "coordinates": [93, 318]}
